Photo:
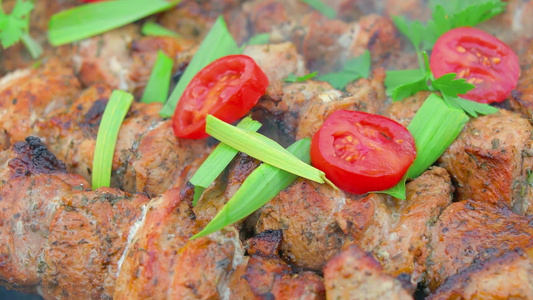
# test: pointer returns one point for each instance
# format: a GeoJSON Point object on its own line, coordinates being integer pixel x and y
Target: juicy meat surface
{"type": "Point", "coordinates": [505, 277]}
{"type": "Point", "coordinates": [491, 161]}
{"type": "Point", "coordinates": [30, 193]}
{"type": "Point", "coordinates": [354, 274]}
{"type": "Point", "coordinates": [471, 230]}
{"type": "Point", "coordinates": [88, 234]}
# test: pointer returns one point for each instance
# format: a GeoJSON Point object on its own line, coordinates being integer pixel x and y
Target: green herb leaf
{"type": "Point", "coordinates": [322, 7]}
{"type": "Point", "coordinates": [259, 39]}
{"type": "Point", "coordinates": [293, 78]}
{"type": "Point", "coordinates": [91, 19]}
{"type": "Point", "coordinates": [397, 191]}
{"type": "Point", "coordinates": [15, 27]}
{"type": "Point", "coordinates": [216, 44]}
{"type": "Point", "coordinates": [470, 107]}
{"type": "Point", "coordinates": [262, 148]}
{"type": "Point", "coordinates": [355, 68]}
{"type": "Point", "coordinates": [154, 29]}
{"type": "Point", "coordinates": [450, 86]}
{"type": "Point", "coordinates": [446, 15]}
{"type": "Point", "coordinates": [33, 47]}
{"type": "Point", "coordinates": [112, 119]}
{"type": "Point", "coordinates": [263, 184]}
{"type": "Point", "coordinates": [217, 161]}
{"type": "Point", "coordinates": [156, 89]}
{"type": "Point", "coordinates": [434, 127]}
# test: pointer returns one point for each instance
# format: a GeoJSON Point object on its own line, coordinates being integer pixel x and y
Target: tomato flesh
{"type": "Point", "coordinates": [361, 152]}
{"type": "Point", "coordinates": [481, 59]}
{"type": "Point", "coordinates": [227, 89]}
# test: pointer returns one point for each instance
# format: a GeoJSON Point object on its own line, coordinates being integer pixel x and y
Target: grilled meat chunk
{"type": "Point", "coordinates": [88, 234]}
{"type": "Point", "coordinates": [265, 275]}
{"type": "Point", "coordinates": [148, 158]}
{"type": "Point", "coordinates": [491, 161]}
{"type": "Point", "coordinates": [161, 262]}
{"type": "Point", "coordinates": [354, 274]}
{"type": "Point", "coordinates": [505, 277]}
{"type": "Point", "coordinates": [471, 230]}
{"type": "Point", "coordinates": [30, 94]}
{"type": "Point", "coordinates": [31, 190]}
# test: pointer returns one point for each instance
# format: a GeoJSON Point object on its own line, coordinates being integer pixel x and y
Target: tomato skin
{"type": "Point", "coordinates": [226, 88]}
{"type": "Point", "coordinates": [380, 149]}
{"type": "Point", "coordinates": [481, 59]}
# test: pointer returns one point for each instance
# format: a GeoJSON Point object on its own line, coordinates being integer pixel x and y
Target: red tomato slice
{"type": "Point", "coordinates": [481, 59]}
{"type": "Point", "coordinates": [227, 89]}
{"type": "Point", "coordinates": [362, 152]}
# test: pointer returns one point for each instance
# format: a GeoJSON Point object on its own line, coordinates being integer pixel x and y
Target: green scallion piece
{"type": "Point", "coordinates": [216, 44]}
{"type": "Point", "coordinates": [92, 19]}
{"type": "Point", "coordinates": [156, 89]}
{"type": "Point", "coordinates": [259, 39]}
{"type": "Point", "coordinates": [322, 7]}
{"type": "Point", "coordinates": [217, 161]}
{"type": "Point", "coordinates": [33, 47]}
{"type": "Point", "coordinates": [262, 148]}
{"type": "Point", "coordinates": [435, 126]}
{"type": "Point", "coordinates": [154, 29]}
{"type": "Point", "coordinates": [263, 184]}
{"type": "Point", "coordinates": [114, 115]}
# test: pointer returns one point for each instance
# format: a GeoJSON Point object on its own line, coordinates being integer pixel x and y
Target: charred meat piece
{"type": "Point", "coordinates": [491, 161]}
{"type": "Point", "coordinates": [88, 234]}
{"type": "Point", "coordinates": [505, 277]}
{"type": "Point", "coordinates": [265, 275]}
{"type": "Point", "coordinates": [305, 212]}
{"type": "Point", "coordinates": [161, 262]}
{"type": "Point", "coordinates": [354, 274]}
{"type": "Point", "coordinates": [148, 158]}
{"type": "Point", "coordinates": [32, 189]}
{"type": "Point", "coordinates": [471, 230]}
{"type": "Point", "coordinates": [31, 94]}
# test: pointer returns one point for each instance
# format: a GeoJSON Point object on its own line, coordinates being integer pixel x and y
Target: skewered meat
{"type": "Point", "coordinates": [354, 274]}
{"type": "Point", "coordinates": [491, 161]}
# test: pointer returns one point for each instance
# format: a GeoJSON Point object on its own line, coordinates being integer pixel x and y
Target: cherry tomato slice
{"type": "Point", "coordinates": [227, 89]}
{"type": "Point", "coordinates": [362, 152]}
{"type": "Point", "coordinates": [481, 59]}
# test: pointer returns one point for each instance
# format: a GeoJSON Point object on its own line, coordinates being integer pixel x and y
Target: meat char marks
{"type": "Point", "coordinates": [32, 186]}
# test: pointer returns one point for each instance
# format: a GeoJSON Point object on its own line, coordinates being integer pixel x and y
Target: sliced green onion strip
{"type": "Point", "coordinates": [435, 126]}
{"type": "Point", "coordinates": [217, 161]}
{"type": "Point", "coordinates": [154, 29]}
{"type": "Point", "coordinates": [112, 119]}
{"type": "Point", "coordinates": [263, 184]}
{"type": "Point", "coordinates": [88, 20]}
{"type": "Point", "coordinates": [259, 39]}
{"type": "Point", "coordinates": [262, 148]}
{"type": "Point", "coordinates": [33, 47]}
{"type": "Point", "coordinates": [322, 7]}
{"type": "Point", "coordinates": [156, 89]}
{"type": "Point", "coordinates": [216, 44]}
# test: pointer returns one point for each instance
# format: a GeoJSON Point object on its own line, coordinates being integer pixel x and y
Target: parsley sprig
{"type": "Point", "coordinates": [446, 15]}
{"type": "Point", "coordinates": [402, 84]}
{"type": "Point", "coordinates": [355, 68]}
{"type": "Point", "coordinates": [14, 27]}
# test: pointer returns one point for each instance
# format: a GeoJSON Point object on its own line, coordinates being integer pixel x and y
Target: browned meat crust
{"type": "Point", "coordinates": [88, 234]}
{"type": "Point", "coordinates": [470, 230]}
{"type": "Point", "coordinates": [354, 274]}
{"type": "Point", "coordinates": [491, 161]}
{"type": "Point", "coordinates": [505, 277]}
{"type": "Point", "coordinates": [30, 192]}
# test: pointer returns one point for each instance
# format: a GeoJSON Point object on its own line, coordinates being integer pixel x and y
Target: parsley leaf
{"type": "Point", "coordinates": [15, 27]}
{"type": "Point", "coordinates": [404, 83]}
{"type": "Point", "coordinates": [446, 15]}
{"type": "Point", "coordinates": [322, 7]}
{"type": "Point", "coordinates": [259, 39]}
{"type": "Point", "coordinates": [355, 68]}
{"type": "Point", "coordinates": [293, 78]}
